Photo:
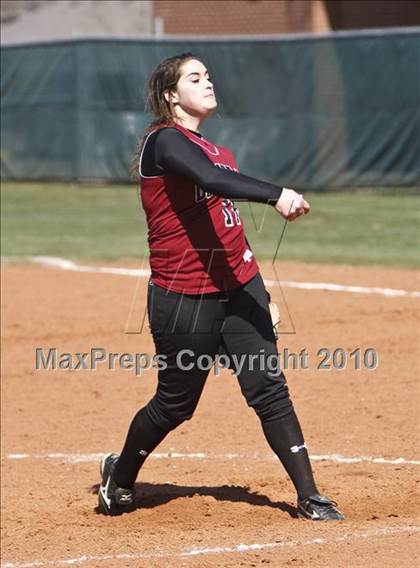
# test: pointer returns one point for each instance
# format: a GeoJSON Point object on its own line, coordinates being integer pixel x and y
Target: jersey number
{"type": "Point", "coordinates": [230, 214]}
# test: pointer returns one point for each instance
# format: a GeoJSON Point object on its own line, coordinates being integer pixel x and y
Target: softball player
{"type": "Point", "coordinates": [205, 294]}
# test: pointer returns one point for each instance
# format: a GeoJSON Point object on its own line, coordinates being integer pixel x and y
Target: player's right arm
{"type": "Point", "coordinates": [172, 152]}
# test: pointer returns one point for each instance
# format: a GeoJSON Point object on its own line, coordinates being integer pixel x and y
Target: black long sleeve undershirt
{"type": "Point", "coordinates": [168, 151]}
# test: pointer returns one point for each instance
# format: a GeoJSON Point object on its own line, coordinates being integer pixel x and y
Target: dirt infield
{"type": "Point", "coordinates": [220, 499]}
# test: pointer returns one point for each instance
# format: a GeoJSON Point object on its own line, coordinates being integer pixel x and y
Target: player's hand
{"type": "Point", "coordinates": [291, 204]}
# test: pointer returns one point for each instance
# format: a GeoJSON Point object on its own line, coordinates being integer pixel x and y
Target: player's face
{"type": "Point", "coordinates": [194, 91]}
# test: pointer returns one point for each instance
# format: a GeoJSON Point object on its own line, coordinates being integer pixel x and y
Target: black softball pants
{"type": "Point", "coordinates": [190, 327]}
{"type": "Point", "coordinates": [189, 331]}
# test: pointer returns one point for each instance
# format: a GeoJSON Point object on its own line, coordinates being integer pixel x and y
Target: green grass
{"type": "Point", "coordinates": [107, 223]}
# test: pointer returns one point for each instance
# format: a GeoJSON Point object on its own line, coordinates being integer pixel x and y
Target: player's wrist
{"type": "Point", "coordinates": [274, 202]}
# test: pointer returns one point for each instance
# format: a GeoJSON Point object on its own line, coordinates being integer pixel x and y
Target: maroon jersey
{"type": "Point", "coordinates": [196, 239]}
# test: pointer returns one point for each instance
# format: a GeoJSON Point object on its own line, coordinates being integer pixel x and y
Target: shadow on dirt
{"type": "Point", "coordinates": [150, 495]}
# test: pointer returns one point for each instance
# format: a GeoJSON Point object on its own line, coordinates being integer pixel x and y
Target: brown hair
{"type": "Point", "coordinates": [164, 78]}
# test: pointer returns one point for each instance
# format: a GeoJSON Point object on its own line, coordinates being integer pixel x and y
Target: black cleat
{"type": "Point", "coordinates": [318, 508]}
{"type": "Point", "coordinates": [113, 500]}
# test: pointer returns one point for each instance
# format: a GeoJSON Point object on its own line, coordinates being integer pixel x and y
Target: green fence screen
{"type": "Point", "coordinates": [341, 110]}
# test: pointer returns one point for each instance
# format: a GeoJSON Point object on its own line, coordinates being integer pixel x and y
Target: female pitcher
{"type": "Point", "coordinates": [205, 293]}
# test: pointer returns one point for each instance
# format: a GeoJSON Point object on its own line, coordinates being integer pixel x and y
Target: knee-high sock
{"type": "Point", "coordinates": [286, 440]}
{"type": "Point", "coordinates": [142, 438]}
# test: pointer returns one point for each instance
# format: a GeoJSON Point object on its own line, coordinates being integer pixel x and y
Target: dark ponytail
{"type": "Point", "coordinates": [163, 79]}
